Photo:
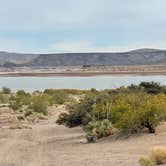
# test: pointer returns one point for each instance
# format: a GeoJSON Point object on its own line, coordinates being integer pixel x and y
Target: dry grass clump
{"type": "Point", "coordinates": [158, 157]}
{"type": "Point", "coordinates": [20, 126]}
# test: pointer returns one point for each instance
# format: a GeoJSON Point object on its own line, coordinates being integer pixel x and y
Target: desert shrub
{"type": "Point", "coordinates": [19, 99]}
{"type": "Point", "coordinates": [49, 91]}
{"type": "Point", "coordinates": [33, 116]}
{"type": "Point", "coordinates": [77, 117]}
{"type": "Point", "coordinates": [6, 90]}
{"type": "Point", "coordinates": [81, 113]}
{"type": "Point", "coordinates": [101, 110]}
{"type": "Point", "coordinates": [129, 122]}
{"type": "Point", "coordinates": [151, 87]}
{"type": "Point", "coordinates": [148, 87]}
{"type": "Point", "coordinates": [99, 128]}
{"type": "Point", "coordinates": [3, 98]}
{"type": "Point", "coordinates": [146, 162]}
{"type": "Point", "coordinates": [27, 113]}
{"type": "Point", "coordinates": [20, 117]}
{"type": "Point", "coordinates": [62, 119]}
{"type": "Point", "coordinates": [21, 93]}
{"type": "Point", "coordinates": [134, 112]}
{"type": "Point", "coordinates": [153, 112]}
{"type": "Point", "coordinates": [58, 96]}
{"type": "Point", "coordinates": [93, 90]}
{"type": "Point", "coordinates": [19, 126]}
{"type": "Point", "coordinates": [15, 103]}
{"type": "Point", "coordinates": [133, 87]}
{"type": "Point", "coordinates": [24, 97]}
{"type": "Point", "coordinates": [129, 110]}
{"type": "Point", "coordinates": [39, 104]}
{"type": "Point", "coordinates": [159, 155]}
{"type": "Point", "coordinates": [124, 111]}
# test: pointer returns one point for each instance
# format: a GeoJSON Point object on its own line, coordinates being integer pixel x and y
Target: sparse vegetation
{"type": "Point", "coordinates": [130, 110]}
{"type": "Point", "coordinates": [123, 111]}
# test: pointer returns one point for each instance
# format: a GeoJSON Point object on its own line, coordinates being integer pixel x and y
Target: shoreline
{"type": "Point", "coordinates": [80, 74]}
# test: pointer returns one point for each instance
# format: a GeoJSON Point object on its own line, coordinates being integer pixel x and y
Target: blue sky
{"type": "Point", "coordinates": [46, 26]}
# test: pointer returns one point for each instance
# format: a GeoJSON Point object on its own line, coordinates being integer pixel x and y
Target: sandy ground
{"type": "Point", "coordinates": [48, 144]}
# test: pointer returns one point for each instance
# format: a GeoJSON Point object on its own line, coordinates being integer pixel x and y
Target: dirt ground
{"type": "Point", "coordinates": [48, 144]}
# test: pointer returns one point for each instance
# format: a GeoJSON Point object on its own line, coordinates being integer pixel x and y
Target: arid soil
{"type": "Point", "coordinates": [48, 144]}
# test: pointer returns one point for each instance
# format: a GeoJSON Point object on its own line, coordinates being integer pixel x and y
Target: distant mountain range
{"type": "Point", "coordinates": [15, 58]}
{"type": "Point", "coordinates": [135, 57]}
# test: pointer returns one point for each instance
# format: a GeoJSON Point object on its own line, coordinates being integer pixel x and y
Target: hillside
{"type": "Point", "coordinates": [15, 58]}
{"type": "Point", "coordinates": [135, 57]}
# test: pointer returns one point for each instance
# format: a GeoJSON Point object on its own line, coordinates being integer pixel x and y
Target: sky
{"type": "Point", "coordinates": [57, 26]}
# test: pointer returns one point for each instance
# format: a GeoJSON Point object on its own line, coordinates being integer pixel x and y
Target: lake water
{"type": "Point", "coordinates": [99, 82]}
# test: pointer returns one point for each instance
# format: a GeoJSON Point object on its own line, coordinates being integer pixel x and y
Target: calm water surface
{"type": "Point", "coordinates": [99, 82]}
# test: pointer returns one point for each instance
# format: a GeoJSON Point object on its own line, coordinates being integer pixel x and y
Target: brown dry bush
{"type": "Point", "coordinates": [159, 155]}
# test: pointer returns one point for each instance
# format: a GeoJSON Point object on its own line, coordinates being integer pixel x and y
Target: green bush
{"type": "Point", "coordinates": [62, 119]}
{"type": "Point", "coordinates": [134, 112]}
{"type": "Point", "coordinates": [24, 97]}
{"type": "Point", "coordinates": [151, 87]}
{"type": "Point", "coordinates": [3, 98]}
{"type": "Point", "coordinates": [77, 117]}
{"type": "Point", "coordinates": [131, 109]}
{"type": "Point", "coordinates": [19, 99]}
{"type": "Point", "coordinates": [80, 114]}
{"type": "Point", "coordinates": [21, 93]}
{"type": "Point", "coordinates": [6, 90]}
{"type": "Point", "coordinates": [147, 162]}
{"type": "Point", "coordinates": [39, 104]}
{"type": "Point", "coordinates": [58, 96]}
{"type": "Point", "coordinates": [15, 103]}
